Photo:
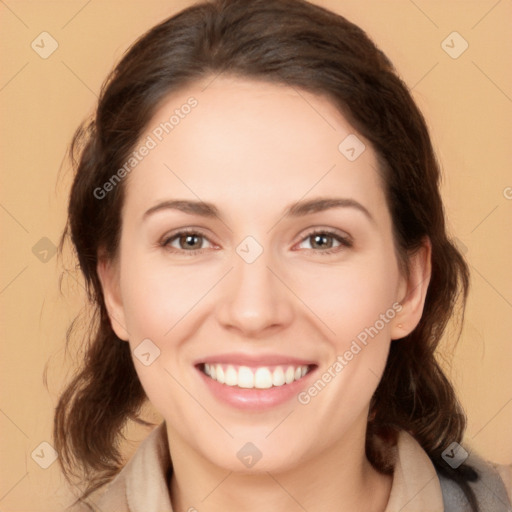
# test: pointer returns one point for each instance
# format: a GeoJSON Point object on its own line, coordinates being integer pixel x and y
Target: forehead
{"type": "Point", "coordinates": [247, 143]}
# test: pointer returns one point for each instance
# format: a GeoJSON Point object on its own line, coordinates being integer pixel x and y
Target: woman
{"type": "Point", "coordinates": [257, 216]}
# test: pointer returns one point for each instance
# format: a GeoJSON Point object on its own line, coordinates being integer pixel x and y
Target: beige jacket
{"type": "Point", "coordinates": [141, 486]}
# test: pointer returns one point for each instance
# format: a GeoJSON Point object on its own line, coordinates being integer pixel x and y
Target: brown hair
{"type": "Point", "coordinates": [289, 42]}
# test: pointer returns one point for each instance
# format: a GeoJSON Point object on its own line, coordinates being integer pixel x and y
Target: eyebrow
{"type": "Point", "coordinates": [298, 209]}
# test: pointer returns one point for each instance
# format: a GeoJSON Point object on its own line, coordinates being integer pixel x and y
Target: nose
{"type": "Point", "coordinates": [255, 301]}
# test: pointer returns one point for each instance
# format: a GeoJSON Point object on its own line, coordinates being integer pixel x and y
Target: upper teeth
{"type": "Point", "coordinates": [260, 378]}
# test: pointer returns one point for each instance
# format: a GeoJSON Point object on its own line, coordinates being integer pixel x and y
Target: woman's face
{"type": "Point", "coordinates": [294, 326]}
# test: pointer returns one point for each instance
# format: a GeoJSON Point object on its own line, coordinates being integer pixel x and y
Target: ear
{"type": "Point", "coordinates": [413, 291]}
{"type": "Point", "coordinates": [108, 273]}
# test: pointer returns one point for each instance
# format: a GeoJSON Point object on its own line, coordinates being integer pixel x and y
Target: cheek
{"type": "Point", "coordinates": [351, 297]}
{"type": "Point", "coordinates": [159, 301]}
{"type": "Point", "coordinates": [358, 305]}
{"type": "Point", "coordinates": [156, 297]}
{"type": "Point", "coordinates": [357, 302]}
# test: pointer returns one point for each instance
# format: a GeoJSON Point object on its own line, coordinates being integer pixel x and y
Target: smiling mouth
{"type": "Point", "coordinates": [261, 377]}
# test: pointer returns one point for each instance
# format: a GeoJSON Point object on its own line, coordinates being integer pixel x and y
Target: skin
{"type": "Point", "coordinates": [252, 149]}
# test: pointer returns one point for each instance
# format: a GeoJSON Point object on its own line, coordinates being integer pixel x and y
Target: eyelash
{"type": "Point", "coordinates": [345, 241]}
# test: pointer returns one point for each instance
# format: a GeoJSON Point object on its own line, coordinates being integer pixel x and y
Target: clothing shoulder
{"type": "Point", "coordinates": [493, 488]}
{"type": "Point", "coordinates": [110, 498]}
{"type": "Point", "coordinates": [141, 484]}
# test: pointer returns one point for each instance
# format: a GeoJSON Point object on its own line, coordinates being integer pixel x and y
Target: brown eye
{"type": "Point", "coordinates": [185, 241]}
{"type": "Point", "coordinates": [322, 241]}
{"type": "Point", "coordinates": [326, 242]}
{"type": "Point", "coordinates": [190, 241]}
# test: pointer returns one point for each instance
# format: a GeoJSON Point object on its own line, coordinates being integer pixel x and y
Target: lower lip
{"type": "Point", "coordinates": [255, 399]}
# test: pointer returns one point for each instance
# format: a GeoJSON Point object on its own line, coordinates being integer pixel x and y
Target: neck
{"type": "Point", "coordinates": [339, 479]}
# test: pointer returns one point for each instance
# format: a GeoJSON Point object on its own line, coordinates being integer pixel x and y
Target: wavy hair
{"type": "Point", "coordinates": [298, 44]}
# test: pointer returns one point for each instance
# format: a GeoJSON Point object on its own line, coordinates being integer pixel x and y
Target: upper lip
{"type": "Point", "coordinates": [255, 360]}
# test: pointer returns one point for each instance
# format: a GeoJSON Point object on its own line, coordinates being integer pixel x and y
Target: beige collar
{"type": "Point", "coordinates": [416, 487]}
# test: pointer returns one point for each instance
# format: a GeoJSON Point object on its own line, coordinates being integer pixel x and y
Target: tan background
{"type": "Point", "coordinates": [467, 103]}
